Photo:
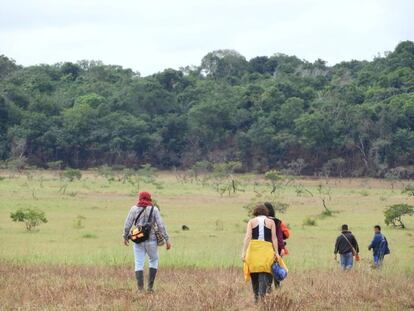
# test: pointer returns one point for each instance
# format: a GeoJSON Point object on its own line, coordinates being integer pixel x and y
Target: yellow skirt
{"type": "Point", "coordinates": [259, 258]}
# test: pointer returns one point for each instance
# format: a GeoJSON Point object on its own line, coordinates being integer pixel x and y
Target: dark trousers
{"type": "Point", "coordinates": [261, 284]}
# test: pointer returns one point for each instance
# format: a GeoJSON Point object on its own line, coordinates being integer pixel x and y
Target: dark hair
{"type": "Point", "coordinates": [377, 227]}
{"type": "Point", "coordinates": [260, 210]}
{"type": "Point", "coordinates": [344, 227]}
{"type": "Point", "coordinates": [270, 209]}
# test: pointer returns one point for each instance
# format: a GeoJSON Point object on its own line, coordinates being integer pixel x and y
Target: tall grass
{"type": "Point", "coordinates": [88, 288]}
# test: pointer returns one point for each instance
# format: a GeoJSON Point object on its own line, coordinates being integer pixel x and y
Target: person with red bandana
{"type": "Point", "coordinates": [141, 213]}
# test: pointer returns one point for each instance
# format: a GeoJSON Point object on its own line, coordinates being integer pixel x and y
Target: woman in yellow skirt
{"type": "Point", "coordinates": [260, 250]}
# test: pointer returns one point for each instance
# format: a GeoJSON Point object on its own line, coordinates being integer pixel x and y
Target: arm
{"type": "Point", "coordinates": [279, 235]}
{"type": "Point", "coordinates": [161, 227]}
{"type": "Point", "coordinates": [374, 243]}
{"type": "Point", "coordinates": [355, 244]}
{"type": "Point", "coordinates": [129, 222]}
{"type": "Point", "coordinates": [160, 224]}
{"type": "Point", "coordinates": [336, 246]}
{"type": "Point", "coordinates": [274, 238]}
{"type": "Point", "coordinates": [247, 239]}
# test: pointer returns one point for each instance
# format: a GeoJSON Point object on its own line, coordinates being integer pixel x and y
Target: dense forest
{"type": "Point", "coordinates": [355, 118]}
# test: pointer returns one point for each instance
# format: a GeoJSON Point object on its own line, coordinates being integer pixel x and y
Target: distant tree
{"type": "Point", "coordinates": [31, 217]}
{"type": "Point", "coordinates": [275, 179]}
{"type": "Point", "coordinates": [324, 194]}
{"type": "Point", "coordinates": [224, 177]}
{"type": "Point", "coordinates": [71, 174]}
{"type": "Point", "coordinates": [224, 63]}
{"type": "Point", "coordinates": [7, 66]}
{"type": "Point", "coordinates": [394, 213]}
{"type": "Point", "coordinates": [70, 70]}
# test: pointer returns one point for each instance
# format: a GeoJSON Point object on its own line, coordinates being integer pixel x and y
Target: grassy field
{"type": "Point", "coordinates": [216, 223]}
{"type": "Point", "coordinates": [93, 270]}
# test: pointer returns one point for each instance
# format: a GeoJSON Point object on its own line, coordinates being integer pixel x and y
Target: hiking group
{"type": "Point", "coordinates": [347, 247]}
{"type": "Point", "coordinates": [263, 249]}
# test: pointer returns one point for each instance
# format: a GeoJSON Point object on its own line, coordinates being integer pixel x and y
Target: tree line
{"type": "Point", "coordinates": [355, 118]}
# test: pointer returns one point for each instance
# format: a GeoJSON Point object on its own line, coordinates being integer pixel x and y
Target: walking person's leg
{"type": "Point", "coordinates": [263, 284]}
{"type": "Point", "coordinates": [152, 251]}
{"type": "Point", "coordinates": [277, 283]}
{"type": "Point", "coordinates": [342, 261]}
{"type": "Point", "coordinates": [349, 261]}
{"type": "Point", "coordinates": [255, 285]}
{"type": "Point", "coordinates": [139, 255]}
{"type": "Point", "coordinates": [376, 261]}
{"type": "Point", "coordinates": [269, 278]}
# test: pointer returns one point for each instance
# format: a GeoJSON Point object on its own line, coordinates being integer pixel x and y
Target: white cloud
{"type": "Point", "coordinates": [150, 36]}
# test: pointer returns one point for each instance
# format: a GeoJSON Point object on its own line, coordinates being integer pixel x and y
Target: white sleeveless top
{"type": "Point", "coordinates": [261, 220]}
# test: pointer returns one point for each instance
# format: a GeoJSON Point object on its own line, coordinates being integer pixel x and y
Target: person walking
{"type": "Point", "coordinates": [260, 249]}
{"type": "Point", "coordinates": [279, 233]}
{"type": "Point", "coordinates": [347, 247]}
{"type": "Point", "coordinates": [141, 214]}
{"type": "Point", "coordinates": [379, 246]}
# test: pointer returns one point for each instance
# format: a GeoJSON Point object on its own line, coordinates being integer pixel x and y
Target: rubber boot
{"type": "Point", "coordinates": [151, 278]}
{"type": "Point", "coordinates": [139, 275]}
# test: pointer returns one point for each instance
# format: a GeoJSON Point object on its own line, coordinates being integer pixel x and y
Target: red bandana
{"type": "Point", "coordinates": [144, 199]}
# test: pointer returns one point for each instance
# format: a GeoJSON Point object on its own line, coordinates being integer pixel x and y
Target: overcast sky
{"type": "Point", "coordinates": [149, 36]}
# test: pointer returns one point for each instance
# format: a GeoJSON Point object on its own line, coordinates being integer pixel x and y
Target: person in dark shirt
{"type": "Point", "coordinates": [279, 233]}
{"type": "Point", "coordinates": [347, 247]}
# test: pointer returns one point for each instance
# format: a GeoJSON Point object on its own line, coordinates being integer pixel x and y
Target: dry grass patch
{"type": "Point", "coordinates": [86, 288]}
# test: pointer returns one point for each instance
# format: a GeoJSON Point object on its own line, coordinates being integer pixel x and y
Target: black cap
{"type": "Point", "coordinates": [344, 227]}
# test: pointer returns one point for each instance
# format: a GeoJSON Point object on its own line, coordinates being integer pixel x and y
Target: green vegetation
{"type": "Point", "coordinates": [72, 174]}
{"type": "Point", "coordinates": [279, 112]}
{"type": "Point", "coordinates": [394, 213]}
{"type": "Point", "coordinates": [309, 221]}
{"type": "Point", "coordinates": [31, 217]}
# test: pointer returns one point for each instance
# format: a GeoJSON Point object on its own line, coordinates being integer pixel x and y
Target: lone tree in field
{"type": "Point", "coordinates": [224, 177]}
{"type": "Point", "coordinates": [324, 194]}
{"type": "Point", "coordinates": [394, 213]}
{"type": "Point", "coordinates": [71, 174]}
{"type": "Point", "coordinates": [31, 217]}
{"type": "Point", "coordinates": [275, 178]}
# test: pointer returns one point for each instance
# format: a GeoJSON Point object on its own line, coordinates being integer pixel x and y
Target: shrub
{"type": "Point", "coordinates": [78, 222]}
{"type": "Point", "coordinates": [394, 213]}
{"type": "Point", "coordinates": [309, 221]}
{"type": "Point", "coordinates": [31, 217]}
{"type": "Point", "coordinates": [72, 174]}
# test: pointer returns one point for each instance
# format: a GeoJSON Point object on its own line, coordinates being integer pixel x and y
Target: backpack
{"type": "Point", "coordinates": [383, 247]}
{"type": "Point", "coordinates": [285, 230]}
{"type": "Point", "coordinates": [141, 233]}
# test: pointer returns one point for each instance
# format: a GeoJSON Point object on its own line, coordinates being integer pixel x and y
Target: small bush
{"type": "Point", "coordinates": [309, 221]}
{"type": "Point", "coordinates": [78, 222]}
{"type": "Point", "coordinates": [326, 213]}
{"type": "Point", "coordinates": [72, 174]}
{"type": "Point", "coordinates": [31, 217]}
